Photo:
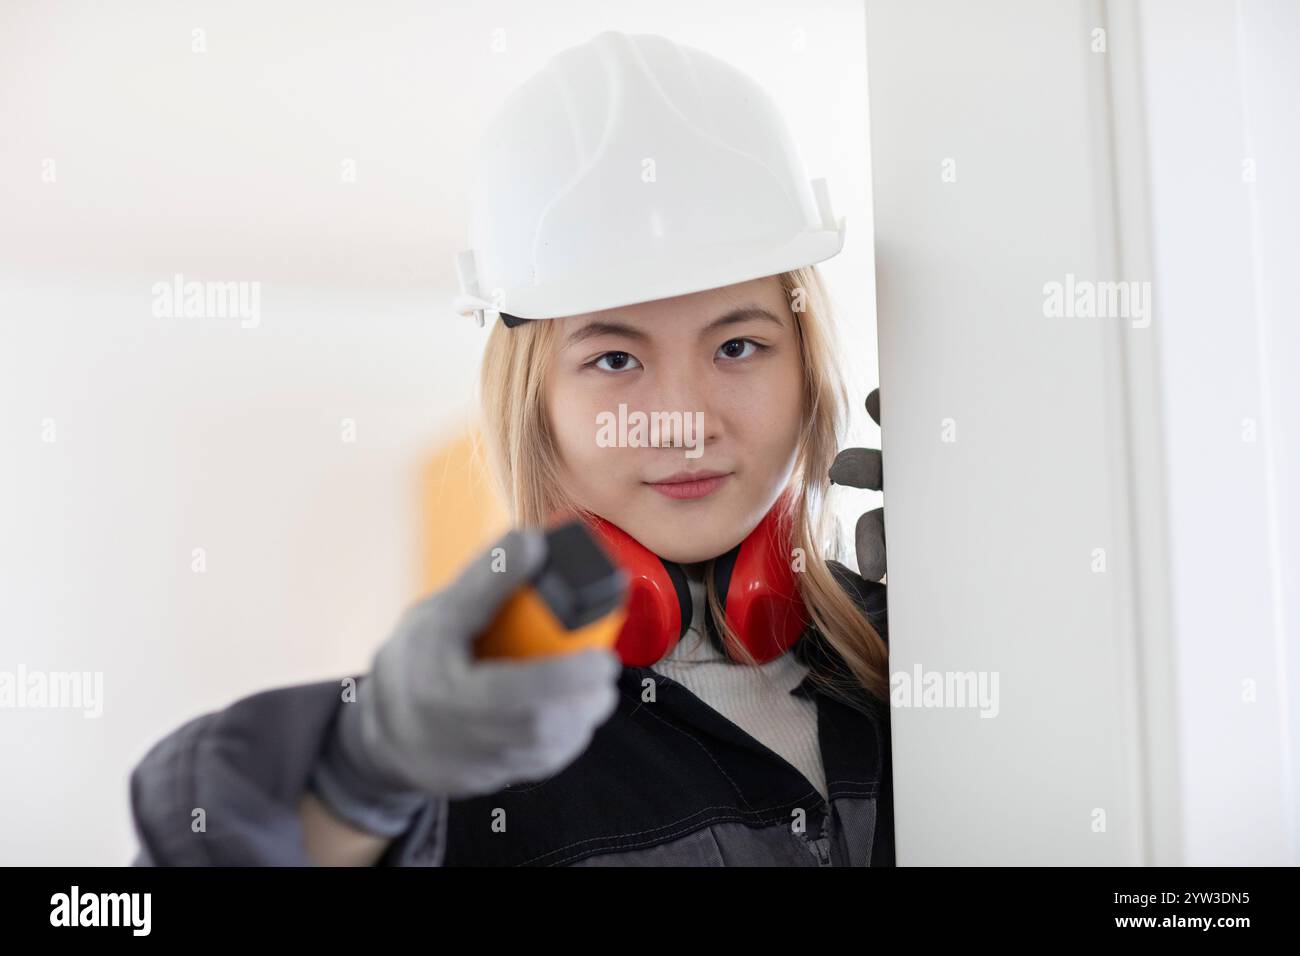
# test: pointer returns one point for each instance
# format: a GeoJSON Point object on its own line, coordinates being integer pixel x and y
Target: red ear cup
{"type": "Point", "coordinates": [763, 603]}
{"type": "Point", "coordinates": [761, 593]}
{"type": "Point", "coordinates": [659, 602]}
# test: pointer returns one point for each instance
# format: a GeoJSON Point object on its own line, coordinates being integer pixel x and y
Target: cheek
{"type": "Point", "coordinates": [575, 421]}
{"type": "Point", "coordinates": [573, 425]}
{"type": "Point", "coordinates": [769, 409]}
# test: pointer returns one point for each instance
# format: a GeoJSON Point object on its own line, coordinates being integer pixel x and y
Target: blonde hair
{"type": "Point", "coordinates": [525, 460]}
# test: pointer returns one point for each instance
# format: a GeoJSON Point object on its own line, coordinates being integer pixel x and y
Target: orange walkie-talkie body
{"type": "Point", "coordinates": [576, 601]}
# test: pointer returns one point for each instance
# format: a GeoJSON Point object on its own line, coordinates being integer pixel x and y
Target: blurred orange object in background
{"type": "Point", "coordinates": [460, 511]}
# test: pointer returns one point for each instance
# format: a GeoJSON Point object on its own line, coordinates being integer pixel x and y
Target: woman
{"type": "Point", "coordinates": [706, 755]}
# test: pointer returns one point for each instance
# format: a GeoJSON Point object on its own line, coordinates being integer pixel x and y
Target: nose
{"type": "Point", "coordinates": [687, 388]}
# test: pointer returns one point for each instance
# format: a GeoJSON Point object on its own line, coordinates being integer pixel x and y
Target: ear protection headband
{"type": "Point", "coordinates": [761, 594]}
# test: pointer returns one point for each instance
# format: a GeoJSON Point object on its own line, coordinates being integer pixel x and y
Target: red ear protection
{"type": "Point", "coordinates": [762, 599]}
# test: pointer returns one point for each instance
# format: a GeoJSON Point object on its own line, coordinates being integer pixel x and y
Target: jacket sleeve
{"type": "Point", "coordinates": [223, 789]}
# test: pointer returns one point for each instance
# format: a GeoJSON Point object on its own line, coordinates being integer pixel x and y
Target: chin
{"type": "Point", "coordinates": [686, 541]}
{"type": "Point", "coordinates": [689, 555]}
{"type": "Point", "coordinates": [683, 532]}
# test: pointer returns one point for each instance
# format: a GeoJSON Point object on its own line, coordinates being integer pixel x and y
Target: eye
{"type": "Point", "coordinates": [620, 362]}
{"type": "Point", "coordinates": [735, 349]}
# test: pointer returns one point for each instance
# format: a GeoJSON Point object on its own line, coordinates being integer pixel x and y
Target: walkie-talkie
{"type": "Point", "coordinates": [575, 601]}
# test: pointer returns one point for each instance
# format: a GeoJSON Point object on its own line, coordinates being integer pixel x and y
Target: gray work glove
{"type": "Point", "coordinates": [430, 719]}
{"type": "Point", "coordinates": [861, 468]}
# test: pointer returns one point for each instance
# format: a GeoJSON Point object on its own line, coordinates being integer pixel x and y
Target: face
{"type": "Point", "coordinates": [678, 420]}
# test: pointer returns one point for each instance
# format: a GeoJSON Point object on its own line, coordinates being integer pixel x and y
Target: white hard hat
{"type": "Point", "coordinates": [632, 168]}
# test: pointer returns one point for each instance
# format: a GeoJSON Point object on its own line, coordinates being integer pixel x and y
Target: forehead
{"type": "Point", "coordinates": [690, 312]}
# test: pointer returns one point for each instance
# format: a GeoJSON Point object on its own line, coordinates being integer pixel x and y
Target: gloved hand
{"type": "Point", "coordinates": [432, 719]}
{"type": "Point", "coordinates": [861, 468]}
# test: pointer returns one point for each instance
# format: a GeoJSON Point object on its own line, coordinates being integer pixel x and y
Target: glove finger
{"type": "Point", "coordinates": [482, 749]}
{"type": "Point", "coordinates": [511, 747]}
{"type": "Point", "coordinates": [523, 685]}
{"type": "Point", "coordinates": [565, 726]}
{"type": "Point", "coordinates": [560, 735]}
{"type": "Point", "coordinates": [873, 405]}
{"type": "Point", "coordinates": [857, 468]}
{"type": "Point", "coordinates": [469, 603]}
{"type": "Point", "coordinates": [505, 723]}
{"type": "Point", "coordinates": [869, 540]}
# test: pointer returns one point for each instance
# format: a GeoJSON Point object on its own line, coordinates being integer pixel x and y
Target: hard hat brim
{"type": "Point", "coordinates": [679, 272]}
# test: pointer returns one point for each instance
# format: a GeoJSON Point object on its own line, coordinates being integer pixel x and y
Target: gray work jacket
{"type": "Point", "coordinates": [668, 783]}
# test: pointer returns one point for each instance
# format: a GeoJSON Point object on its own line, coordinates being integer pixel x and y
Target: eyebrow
{"type": "Point", "coordinates": [600, 327]}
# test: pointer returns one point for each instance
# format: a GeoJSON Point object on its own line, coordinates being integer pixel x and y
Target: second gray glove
{"type": "Point", "coordinates": [862, 468]}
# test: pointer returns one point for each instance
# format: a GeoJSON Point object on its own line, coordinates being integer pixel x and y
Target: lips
{"type": "Point", "coordinates": [684, 485]}
{"type": "Point", "coordinates": [678, 477]}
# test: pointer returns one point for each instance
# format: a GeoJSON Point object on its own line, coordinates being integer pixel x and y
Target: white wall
{"type": "Point", "coordinates": [1224, 209]}
{"type": "Point", "coordinates": [1121, 689]}
{"type": "Point", "coordinates": [1269, 38]}
{"type": "Point", "coordinates": [177, 434]}
{"type": "Point", "coordinates": [992, 527]}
